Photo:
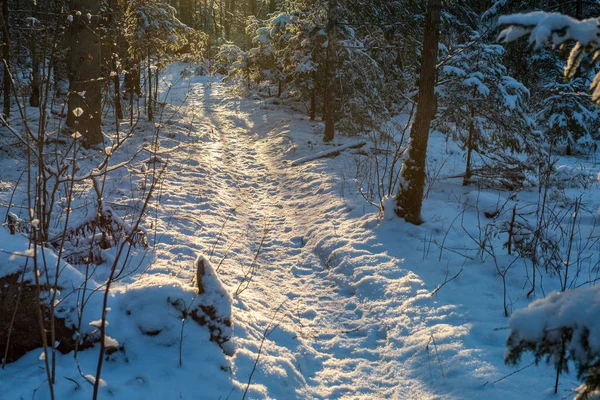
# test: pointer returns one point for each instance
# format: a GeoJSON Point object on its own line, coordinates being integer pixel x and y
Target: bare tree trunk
{"type": "Point", "coordinates": [209, 19]}
{"type": "Point", "coordinates": [468, 173]}
{"type": "Point", "coordinates": [132, 77]}
{"type": "Point", "coordinates": [330, 73]}
{"type": "Point", "coordinates": [313, 102]}
{"type": "Point", "coordinates": [409, 198]}
{"type": "Point", "coordinates": [84, 69]}
{"type": "Point", "coordinates": [34, 97]}
{"type": "Point", "coordinates": [6, 86]}
{"type": "Point", "coordinates": [229, 18]}
{"type": "Point", "coordinates": [150, 98]}
{"type": "Point", "coordinates": [251, 7]}
{"type": "Point", "coordinates": [272, 6]}
{"type": "Point", "coordinates": [114, 56]}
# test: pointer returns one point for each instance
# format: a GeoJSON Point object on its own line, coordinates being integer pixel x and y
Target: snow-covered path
{"type": "Point", "coordinates": [237, 187]}
{"type": "Point", "coordinates": [329, 301]}
{"type": "Point", "coordinates": [335, 289]}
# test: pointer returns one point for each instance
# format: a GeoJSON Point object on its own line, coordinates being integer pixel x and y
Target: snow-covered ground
{"type": "Point", "coordinates": [329, 299]}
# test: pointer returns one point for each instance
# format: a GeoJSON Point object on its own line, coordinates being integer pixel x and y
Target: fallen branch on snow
{"type": "Point", "coordinates": [330, 153]}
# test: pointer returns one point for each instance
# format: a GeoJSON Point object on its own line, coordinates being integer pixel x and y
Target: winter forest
{"type": "Point", "coordinates": [299, 199]}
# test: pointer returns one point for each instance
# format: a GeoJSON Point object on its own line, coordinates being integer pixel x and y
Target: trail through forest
{"type": "Point", "coordinates": [240, 190]}
{"type": "Point", "coordinates": [326, 307]}
{"type": "Point", "coordinates": [330, 299]}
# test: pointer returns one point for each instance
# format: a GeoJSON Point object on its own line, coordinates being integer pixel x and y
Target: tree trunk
{"type": "Point", "coordinates": [84, 69]}
{"type": "Point", "coordinates": [225, 20]}
{"type": "Point", "coordinates": [6, 85]}
{"type": "Point", "coordinates": [229, 18]}
{"type": "Point", "coordinates": [251, 7]}
{"type": "Point", "coordinates": [114, 39]}
{"type": "Point", "coordinates": [409, 198]}
{"type": "Point", "coordinates": [209, 20]}
{"type": "Point", "coordinates": [468, 173]}
{"type": "Point", "coordinates": [330, 73]}
{"type": "Point", "coordinates": [34, 97]}
{"type": "Point", "coordinates": [313, 103]}
{"type": "Point", "coordinates": [132, 77]}
{"type": "Point", "coordinates": [149, 82]}
{"type": "Point", "coordinates": [272, 6]}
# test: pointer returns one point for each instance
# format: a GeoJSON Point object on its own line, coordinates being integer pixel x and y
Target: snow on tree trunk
{"type": "Point", "coordinates": [85, 85]}
{"type": "Point", "coordinates": [409, 198]}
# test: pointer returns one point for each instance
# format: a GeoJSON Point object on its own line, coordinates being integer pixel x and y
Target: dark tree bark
{"type": "Point", "coordinates": [114, 39]}
{"type": "Point", "coordinates": [330, 73]}
{"type": "Point", "coordinates": [251, 7]}
{"type": "Point", "coordinates": [313, 103]}
{"type": "Point", "coordinates": [468, 173]}
{"type": "Point", "coordinates": [6, 81]}
{"type": "Point", "coordinates": [34, 97]}
{"type": "Point", "coordinates": [272, 6]}
{"type": "Point", "coordinates": [186, 12]}
{"type": "Point", "coordinates": [225, 19]}
{"type": "Point", "coordinates": [133, 78]}
{"type": "Point", "coordinates": [209, 23]}
{"type": "Point", "coordinates": [150, 98]}
{"type": "Point", "coordinates": [84, 69]}
{"type": "Point", "coordinates": [409, 198]}
{"type": "Point", "coordinates": [230, 6]}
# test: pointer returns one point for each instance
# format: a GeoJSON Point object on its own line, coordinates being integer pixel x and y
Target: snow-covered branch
{"type": "Point", "coordinates": [553, 28]}
{"type": "Point", "coordinates": [561, 327]}
{"type": "Point", "coordinates": [557, 29]}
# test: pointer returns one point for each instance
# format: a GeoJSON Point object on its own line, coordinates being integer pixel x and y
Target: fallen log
{"type": "Point", "coordinates": [329, 153]}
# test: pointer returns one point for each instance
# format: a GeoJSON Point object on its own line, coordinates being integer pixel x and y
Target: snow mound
{"type": "Point", "coordinates": [562, 327]}
{"type": "Point", "coordinates": [214, 304]}
{"type": "Point", "coordinates": [577, 310]}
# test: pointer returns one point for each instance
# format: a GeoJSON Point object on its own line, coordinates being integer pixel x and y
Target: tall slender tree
{"type": "Point", "coordinates": [6, 82]}
{"type": "Point", "coordinates": [114, 38]}
{"type": "Point", "coordinates": [409, 199]}
{"type": "Point", "coordinates": [84, 69]}
{"type": "Point", "coordinates": [251, 7]}
{"type": "Point", "coordinates": [34, 96]}
{"type": "Point", "coordinates": [330, 73]}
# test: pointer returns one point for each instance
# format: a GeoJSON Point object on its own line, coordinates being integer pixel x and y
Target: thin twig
{"type": "Point", "coordinates": [267, 332]}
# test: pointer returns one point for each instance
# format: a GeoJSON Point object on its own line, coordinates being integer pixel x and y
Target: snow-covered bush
{"type": "Point", "coordinates": [151, 27]}
{"type": "Point", "coordinates": [226, 58]}
{"type": "Point", "coordinates": [562, 328]}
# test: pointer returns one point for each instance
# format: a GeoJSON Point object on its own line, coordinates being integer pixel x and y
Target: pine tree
{"type": "Point", "coordinates": [568, 117]}
{"type": "Point", "coordinates": [482, 107]}
{"type": "Point", "coordinates": [151, 30]}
